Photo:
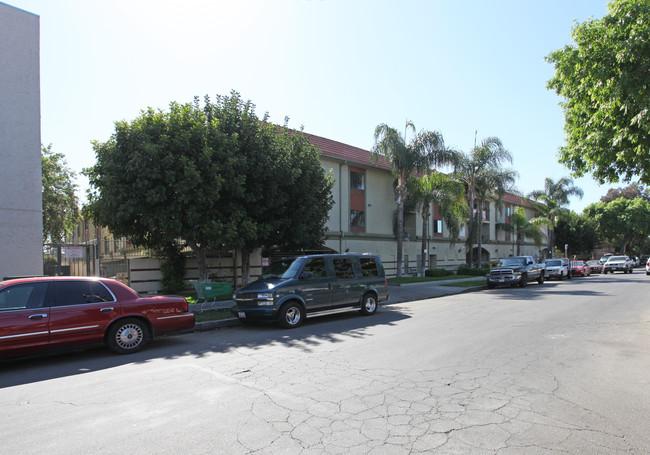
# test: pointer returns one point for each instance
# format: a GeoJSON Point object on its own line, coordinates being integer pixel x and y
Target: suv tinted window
{"type": "Point", "coordinates": [82, 292]}
{"type": "Point", "coordinates": [369, 267]}
{"type": "Point", "coordinates": [317, 267]}
{"type": "Point", "coordinates": [23, 296]}
{"type": "Point", "coordinates": [343, 269]}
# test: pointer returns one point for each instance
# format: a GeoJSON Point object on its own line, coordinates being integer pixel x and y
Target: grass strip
{"type": "Point", "coordinates": [467, 284]}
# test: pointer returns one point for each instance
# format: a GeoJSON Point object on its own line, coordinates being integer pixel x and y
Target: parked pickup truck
{"type": "Point", "coordinates": [516, 270]}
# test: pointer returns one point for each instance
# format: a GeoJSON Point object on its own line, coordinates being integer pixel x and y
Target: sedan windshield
{"type": "Point", "coordinates": [554, 263]}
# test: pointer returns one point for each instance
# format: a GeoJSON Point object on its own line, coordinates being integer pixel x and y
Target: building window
{"type": "Point", "coordinates": [508, 215]}
{"type": "Point", "coordinates": [357, 199]}
{"type": "Point", "coordinates": [357, 180]}
{"type": "Point", "coordinates": [437, 221]}
{"type": "Point", "coordinates": [357, 221]}
{"type": "Point", "coordinates": [437, 228]}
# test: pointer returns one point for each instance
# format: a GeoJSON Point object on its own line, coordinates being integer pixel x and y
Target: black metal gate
{"type": "Point", "coordinates": [70, 260]}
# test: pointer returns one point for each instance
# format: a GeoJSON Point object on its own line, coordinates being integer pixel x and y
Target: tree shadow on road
{"type": "Point", "coordinates": [314, 332]}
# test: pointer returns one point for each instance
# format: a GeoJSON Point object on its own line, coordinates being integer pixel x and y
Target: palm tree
{"type": "Point", "coordinates": [448, 194]}
{"type": "Point", "coordinates": [523, 228]}
{"type": "Point", "coordinates": [484, 179]}
{"type": "Point", "coordinates": [426, 149]}
{"type": "Point", "coordinates": [555, 198]}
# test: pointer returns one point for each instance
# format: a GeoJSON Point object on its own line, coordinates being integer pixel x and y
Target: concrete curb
{"type": "Point", "coordinates": [234, 322]}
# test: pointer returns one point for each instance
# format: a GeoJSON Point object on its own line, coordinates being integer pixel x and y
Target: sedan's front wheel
{"type": "Point", "coordinates": [127, 336]}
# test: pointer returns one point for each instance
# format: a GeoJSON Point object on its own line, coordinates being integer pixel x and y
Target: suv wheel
{"type": "Point", "coordinates": [540, 280]}
{"type": "Point", "coordinates": [368, 304]}
{"type": "Point", "coordinates": [291, 315]}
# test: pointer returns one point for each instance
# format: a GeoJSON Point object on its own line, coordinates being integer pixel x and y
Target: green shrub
{"type": "Point", "coordinates": [437, 272]}
{"type": "Point", "coordinates": [466, 269]}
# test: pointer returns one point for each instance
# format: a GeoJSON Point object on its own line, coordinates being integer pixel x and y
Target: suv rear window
{"type": "Point", "coordinates": [369, 267]}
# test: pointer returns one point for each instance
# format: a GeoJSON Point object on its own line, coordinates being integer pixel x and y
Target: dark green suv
{"type": "Point", "coordinates": [293, 289]}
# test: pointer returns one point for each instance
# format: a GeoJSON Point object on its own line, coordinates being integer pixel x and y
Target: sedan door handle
{"type": "Point", "coordinates": [38, 316]}
{"type": "Point", "coordinates": [107, 310]}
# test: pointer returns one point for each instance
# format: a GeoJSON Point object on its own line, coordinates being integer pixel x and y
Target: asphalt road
{"type": "Point", "coordinates": [562, 367]}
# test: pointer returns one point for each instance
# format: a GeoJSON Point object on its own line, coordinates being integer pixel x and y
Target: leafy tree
{"type": "Point", "coordinates": [623, 222]}
{"type": "Point", "coordinates": [213, 175]}
{"type": "Point", "coordinates": [603, 79]}
{"type": "Point", "coordinates": [632, 191]}
{"type": "Point", "coordinates": [160, 178]}
{"type": "Point", "coordinates": [448, 195]}
{"type": "Point", "coordinates": [523, 227]}
{"type": "Point", "coordinates": [580, 232]}
{"type": "Point", "coordinates": [60, 204]}
{"type": "Point", "coordinates": [484, 178]}
{"type": "Point", "coordinates": [425, 150]}
{"type": "Point", "coordinates": [555, 198]}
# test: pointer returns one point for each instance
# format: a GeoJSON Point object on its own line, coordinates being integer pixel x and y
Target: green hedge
{"type": "Point", "coordinates": [437, 272]}
{"type": "Point", "coordinates": [473, 271]}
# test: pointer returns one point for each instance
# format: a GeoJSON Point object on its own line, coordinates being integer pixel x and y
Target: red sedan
{"type": "Point", "coordinates": [38, 314]}
{"type": "Point", "coordinates": [580, 268]}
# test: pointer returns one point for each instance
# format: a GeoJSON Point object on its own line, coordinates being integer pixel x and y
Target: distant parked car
{"type": "Point", "coordinates": [618, 264]}
{"type": "Point", "coordinates": [647, 267]}
{"type": "Point", "coordinates": [558, 268]}
{"type": "Point", "coordinates": [595, 266]}
{"type": "Point", "coordinates": [579, 268]}
{"type": "Point", "coordinates": [38, 314]}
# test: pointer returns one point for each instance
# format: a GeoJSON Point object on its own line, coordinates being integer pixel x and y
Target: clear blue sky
{"type": "Point", "coordinates": [337, 67]}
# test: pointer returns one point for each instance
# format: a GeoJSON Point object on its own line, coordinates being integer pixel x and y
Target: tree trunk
{"type": "Point", "coordinates": [200, 260]}
{"type": "Point", "coordinates": [425, 226]}
{"type": "Point", "coordinates": [400, 234]}
{"type": "Point", "coordinates": [479, 233]}
{"type": "Point", "coordinates": [245, 266]}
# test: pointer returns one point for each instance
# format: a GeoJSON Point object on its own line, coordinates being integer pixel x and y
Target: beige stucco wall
{"type": "Point", "coordinates": [379, 237]}
{"type": "Point", "coordinates": [21, 224]}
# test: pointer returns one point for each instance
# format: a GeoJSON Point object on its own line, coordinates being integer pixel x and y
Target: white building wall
{"type": "Point", "coordinates": [21, 223]}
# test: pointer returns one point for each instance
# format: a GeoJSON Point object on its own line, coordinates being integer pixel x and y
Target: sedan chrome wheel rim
{"type": "Point", "coordinates": [293, 316]}
{"type": "Point", "coordinates": [129, 336]}
{"type": "Point", "coordinates": [371, 304]}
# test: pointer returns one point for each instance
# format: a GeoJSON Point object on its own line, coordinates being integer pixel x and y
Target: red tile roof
{"type": "Point", "coordinates": [340, 151]}
{"type": "Point", "coordinates": [514, 199]}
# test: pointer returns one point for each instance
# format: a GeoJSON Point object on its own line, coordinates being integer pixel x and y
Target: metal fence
{"type": "Point", "coordinates": [69, 260]}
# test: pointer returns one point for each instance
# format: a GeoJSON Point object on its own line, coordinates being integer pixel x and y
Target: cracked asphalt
{"type": "Point", "coordinates": [561, 368]}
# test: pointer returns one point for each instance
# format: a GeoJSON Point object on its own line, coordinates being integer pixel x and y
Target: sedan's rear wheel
{"type": "Point", "coordinates": [127, 336]}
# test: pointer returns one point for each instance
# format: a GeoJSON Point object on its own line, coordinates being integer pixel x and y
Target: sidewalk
{"type": "Point", "coordinates": [397, 294]}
